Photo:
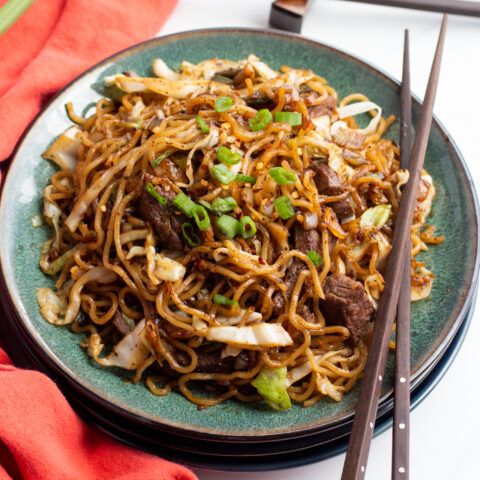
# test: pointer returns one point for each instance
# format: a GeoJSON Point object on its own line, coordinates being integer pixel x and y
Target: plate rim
{"type": "Point", "coordinates": [80, 384]}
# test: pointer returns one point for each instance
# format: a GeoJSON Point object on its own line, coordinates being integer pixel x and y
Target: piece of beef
{"type": "Point", "coordinates": [329, 184]}
{"type": "Point", "coordinates": [346, 303]}
{"type": "Point", "coordinates": [327, 107]}
{"type": "Point", "coordinates": [120, 324]}
{"type": "Point", "coordinates": [211, 362]}
{"type": "Point", "coordinates": [166, 223]}
{"type": "Point", "coordinates": [305, 240]}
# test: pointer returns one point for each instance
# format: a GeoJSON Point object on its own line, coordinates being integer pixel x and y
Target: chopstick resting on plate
{"type": "Point", "coordinates": [401, 412]}
{"type": "Point", "coordinates": [362, 431]}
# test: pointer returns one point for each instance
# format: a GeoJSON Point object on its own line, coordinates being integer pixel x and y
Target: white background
{"type": "Point", "coordinates": [445, 428]}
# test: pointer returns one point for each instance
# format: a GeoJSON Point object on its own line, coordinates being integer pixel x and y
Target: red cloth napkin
{"type": "Point", "coordinates": [41, 437]}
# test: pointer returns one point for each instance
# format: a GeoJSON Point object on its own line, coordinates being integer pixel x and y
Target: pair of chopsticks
{"type": "Point", "coordinates": [289, 14]}
{"type": "Point", "coordinates": [397, 274]}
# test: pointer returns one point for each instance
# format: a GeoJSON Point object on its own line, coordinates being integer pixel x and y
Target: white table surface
{"type": "Point", "coordinates": [445, 428]}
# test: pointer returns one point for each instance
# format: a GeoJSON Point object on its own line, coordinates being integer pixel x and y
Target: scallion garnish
{"type": "Point", "coordinates": [222, 205]}
{"type": "Point", "coordinates": [157, 161]}
{"type": "Point", "coordinates": [261, 120]}
{"type": "Point", "coordinates": [223, 104]}
{"type": "Point", "coordinates": [202, 124]}
{"type": "Point", "coordinates": [190, 235]}
{"type": "Point", "coordinates": [217, 298]}
{"type": "Point", "coordinates": [315, 258]}
{"type": "Point", "coordinates": [184, 204]}
{"type": "Point", "coordinates": [151, 191]}
{"type": "Point", "coordinates": [246, 178]}
{"type": "Point", "coordinates": [137, 125]}
{"type": "Point", "coordinates": [225, 155]}
{"type": "Point", "coordinates": [292, 118]}
{"type": "Point", "coordinates": [207, 205]}
{"type": "Point", "coordinates": [282, 176]}
{"type": "Point", "coordinates": [222, 79]}
{"type": "Point", "coordinates": [201, 217]}
{"type": "Point", "coordinates": [228, 225]}
{"type": "Point", "coordinates": [284, 207]}
{"type": "Point", "coordinates": [223, 174]}
{"type": "Point", "coordinates": [247, 227]}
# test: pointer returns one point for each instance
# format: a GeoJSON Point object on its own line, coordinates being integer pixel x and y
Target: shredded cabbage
{"type": "Point", "coordinates": [271, 385]}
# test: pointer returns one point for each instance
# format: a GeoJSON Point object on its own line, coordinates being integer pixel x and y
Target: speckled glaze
{"type": "Point", "coordinates": [435, 321]}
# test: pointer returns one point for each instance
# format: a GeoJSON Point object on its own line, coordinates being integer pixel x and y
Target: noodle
{"type": "Point", "coordinates": [203, 230]}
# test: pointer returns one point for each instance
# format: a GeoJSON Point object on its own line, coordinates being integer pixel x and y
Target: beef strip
{"type": "Point", "coordinates": [327, 107]}
{"type": "Point", "coordinates": [166, 223]}
{"type": "Point", "coordinates": [211, 362]}
{"type": "Point", "coordinates": [328, 183]}
{"type": "Point", "coordinates": [305, 240]}
{"type": "Point", "coordinates": [346, 303]}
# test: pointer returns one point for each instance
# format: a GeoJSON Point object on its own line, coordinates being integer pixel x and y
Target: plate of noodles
{"type": "Point", "coordinates": [195, 231]}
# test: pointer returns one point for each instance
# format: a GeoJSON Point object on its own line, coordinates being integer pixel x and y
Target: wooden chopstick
{"type": "Point", "coordinates": [456, 7]}
{"type": "Point", "coordinates": [401, 412]}
{"type": "Point", "coordinates": [358, 447]}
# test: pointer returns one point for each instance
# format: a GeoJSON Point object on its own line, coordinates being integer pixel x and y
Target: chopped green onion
{"type": "Point", "coordinates": [157, 161]}
{"type": "Point", "coordinates": [293, 118]}
{"type": "Point", "coordinates": [315, 258]}
{"type": "Point", "coordinates": [190, 236]}
{"type": "Point", "coordinates": [207, 205]}
{"type": "Point", "coordinates": [224, 205]}
{"type": "Point", "coordinates": [375, 216]}
{"type": "Point", "coordinates": [217, 298]}
{"type": "Point", "coordinates": [184, 204]}
{"type": "Point", "coordinates": [137, 125]}
{"type": "Point", "coordinates": [246, 178]}
{"type": "Point", "coordinates": [247, 227]}
{"type": "Point", "coordinates": [225, 155]}
{"type": "Point", "coordinates": [222, 79]}
{"type": "Point", "coordinates": [282, 176]}
{"type": "Point", "coordinates": [223, 104]}
{"type": "Point", "coordinates": [271, 384]}
{"type": "Point", "coordinates": [223, 174]}
{"type": "Point", "coordinates": [228, 225]}
{"type": "Point", "coordinates": [151, 190]}
{"type": "Point", "coordinates": [284, 207]}
{"type": "Point", "coordinates": [202, 124]}
{"type": "Point", "coordinates": [201, 217]}
{"type": "Point", "coordinates": [261, 120]}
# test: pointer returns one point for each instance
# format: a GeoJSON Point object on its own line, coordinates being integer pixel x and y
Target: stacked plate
{"type": "Point", "coordinates": [232, 435]}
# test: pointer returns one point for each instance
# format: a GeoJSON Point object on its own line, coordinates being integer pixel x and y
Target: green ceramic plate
{"type": "Point", "coordinates": [435, 321]}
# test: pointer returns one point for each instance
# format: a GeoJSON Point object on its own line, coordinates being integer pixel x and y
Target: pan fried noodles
{"type": "Point", "coordinates": [228, 226]}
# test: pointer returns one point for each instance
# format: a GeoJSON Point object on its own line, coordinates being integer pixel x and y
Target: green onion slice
{"type": "Point", "coordinates": [202, 124]}
{"type": "Point", "coordinates": [222, 205]}
{"type": "Point", "coordinates": [190, 235]}
{"type": "Point", "coordinates": [284, 207]}
{"type": "Point", "coordinates": [222, 79]}
{"type": "Point", "coordinates": [137, 125]}
{"type": "Point", "coordinates": [223, 174]}
{"type": "Point", "coordinates": [261, 120]}
{"type": "Point", "coordinates": [157, 161]}
{"type": "Point", "coordinates": [225, 155]}
{"type": "Point", "coordinates": [292, 118]}
{"type": "Point", "coordinates": [184, 204]}
{"type": "Point", "coordinates": [247, 227]}
{"type": "Point", "coordinates": [315, 258]}
{"type": "Point", "coordinates": [201, 217]}
{"type": "Point", "coordinates": [228, 225]}
{"type": "Point", "coordinates": [207, 205]}
{"type": "Point", "coordinates": [282, 176]}
{"type": "Point", "coordinates": [217, 298]}
{"type": "Point", "coordinates": [223, 104]}
{"type": "Point", "coordinates": [246, 178]}
{"type": "Point", "coordinates": [151, 190]}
